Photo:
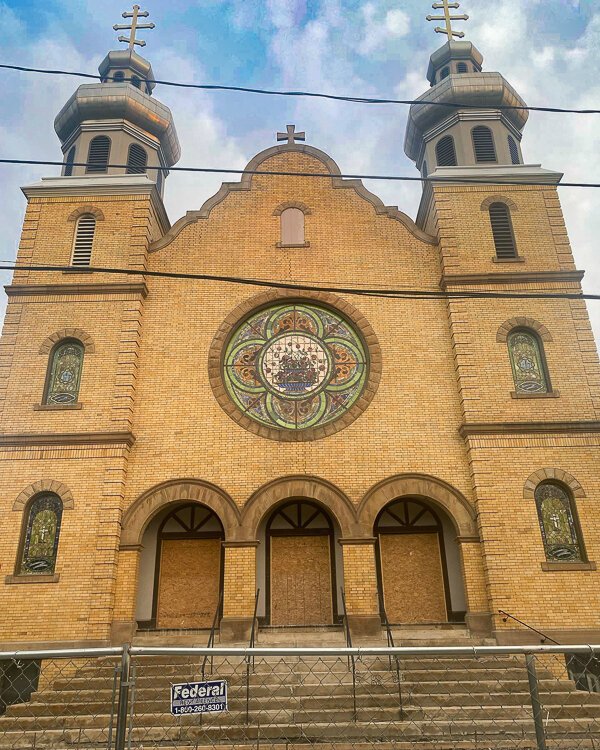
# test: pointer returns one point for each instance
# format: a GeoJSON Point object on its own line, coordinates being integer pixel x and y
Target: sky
{"type": "Point", "coordinates": [547, 49]}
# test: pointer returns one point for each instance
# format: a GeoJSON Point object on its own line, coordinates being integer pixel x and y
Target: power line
{"type": "Point", "coordinates": [308, 94]}
{"type": "Point", "coordinates": [411, 294]}
{"type": "Point", "coordinates": [320, 175]}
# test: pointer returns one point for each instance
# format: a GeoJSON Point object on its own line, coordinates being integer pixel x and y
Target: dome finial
{"type": "Point", "coordinates": [133, 27]}
{"type": "Point", "coordinates": [448, 18]}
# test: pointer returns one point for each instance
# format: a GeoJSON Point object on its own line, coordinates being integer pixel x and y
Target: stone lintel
{"type": "Point", "coordinates": [47, 290]}
{"type": "Point", "coordinates": [525, 428]}
{"type": "Point", "coordinates": [67, 438]}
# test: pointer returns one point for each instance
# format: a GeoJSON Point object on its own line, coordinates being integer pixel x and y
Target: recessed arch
{"type": "Point", "coordinates": [522, 322]}
{"type": "Point", "coordinates": [142, 511]}
{"type": "Point", "coordinates": [292, 204]}
{"type": "Point", "coordinates": [436, 491]}
{"type": "Point", "coordinates": [485, 206]}
{"type": "Point", "coordinates": [266, 499]}
{"type": "Point", "coordinates": [45, 485]}
{"type": "Point", "coordinates": [551, 474]}
{"type": "Point", "coordinates": [68, 333]}
{"type": "Point", "coordinates": [86, 210]}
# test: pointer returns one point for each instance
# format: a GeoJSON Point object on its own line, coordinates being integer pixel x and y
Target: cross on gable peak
{"type": "Point", "coordinates": [291, 136]}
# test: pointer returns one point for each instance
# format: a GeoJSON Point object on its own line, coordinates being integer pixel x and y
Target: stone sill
{"type": "Point", "coordinates": [518, 259]}
{"type": "Point", "coordinates": [79, 270]}
{"type": "Point", "coordinates": [57, 407]}
{"type": "Point", "coordinates": [18, 579]}
{"type": "Point", "coordinates": [302, 244]}
{"type": "Point", "coordinates": [552, 567]}
{"type": "Point", "coordinates": [548, 394]}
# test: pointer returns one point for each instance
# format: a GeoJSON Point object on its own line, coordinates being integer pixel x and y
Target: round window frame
{"type": "Point", "coordinates": [236, 317]}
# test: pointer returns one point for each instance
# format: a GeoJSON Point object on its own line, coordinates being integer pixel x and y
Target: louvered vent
{"type": "Point", "coordinates": [84, 239]}
{"type": "Point", "coordinates": [483, 143]}
{"type": "Point", "coordinates": [445, 152]}
{"type": "Point", "coordinates": [461, 68]}
{"type": "Point", "coordinates": [119, 76]}
{"type": "Point", "coordinates": [445, 73]}
{"type": "Point", "coordinates": [514, 150]}
{"type": "Point", "coordinates": [502, 229]}
{"type": "Point", "coordinates": [137, 159]}
{"type": "Point", "coordinates": [69, 162]}
{"type": "Point", "coordinates": [98, 154]}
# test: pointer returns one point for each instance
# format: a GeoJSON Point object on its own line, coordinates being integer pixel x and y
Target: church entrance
{"type": "Point", "coordinates": [189, 568]}
{"type": "Point", "coordinates": [413, 576]}
{"type": "Point", "coordinates": [300, 565]}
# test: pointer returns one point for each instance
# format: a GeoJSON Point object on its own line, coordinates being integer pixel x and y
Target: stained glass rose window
{"type": "Point", "coordinates": [295, 366]}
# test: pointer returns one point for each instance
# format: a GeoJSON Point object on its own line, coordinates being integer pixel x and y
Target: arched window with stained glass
{"type": "Point", "coordinates": [559, 523]}
{"type": "Point", "coordinates": [64, 372]}
{"type": "Point", "coordinates": [41, 532]}
{"type": "Point", "coordinates": [528, 362]}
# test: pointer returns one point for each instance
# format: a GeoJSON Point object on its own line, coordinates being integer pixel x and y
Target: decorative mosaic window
{"type": "Point", "coordinates": [558, 524]}
{"type": "Point", "coordinates": [64, 373]}
{"type": "Point", "coordinates": [295, 366]}
{"type": "Point", "coordinates": [42, 531]}
{"type": "Point", "coordinates": [527, 362]}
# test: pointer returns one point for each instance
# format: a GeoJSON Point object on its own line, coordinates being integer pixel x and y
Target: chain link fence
{"type": "Point", "coordinates": [460, 698]}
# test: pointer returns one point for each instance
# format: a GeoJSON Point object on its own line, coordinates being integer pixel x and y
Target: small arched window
{"type": "Point", "coordinates": [136, 81]}
{"type": "Point", "coordinates": [528, 362]}
{"type": "Point", "coordinates": [559, 524]}
{"type": "Point", "coordinates": [502, 230]}
{"type": "Point", "coordinates": [85, 229]}
{"type": "Point", "coordinates": [41, 531]}
{"type": "Point", "coordinates": [292, 227]}
{"type": "Point", "coordinates": [98, 154]}
{"type": "Point", "coordinates": [483, 144]}
{"type": "Point", "coordinates": [137, 159]}
{"type": "Point", "coordinates": [64, 372]}
{"type": "Point", "coordinates": [69, 162]}
{"type": "Point", "coordinates": [461, 67]}
{"type": "Point", "coordinates": [514, 150]}
{"type": "Point", "coordinates": [445, 73]}
{"type": "Point", "coordinates": [445, 152]}
{"type": "Point", "coordinates": [119, 77]}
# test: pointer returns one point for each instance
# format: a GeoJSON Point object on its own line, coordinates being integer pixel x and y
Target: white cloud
{"type": "Point", "coordinates": [381, 27]}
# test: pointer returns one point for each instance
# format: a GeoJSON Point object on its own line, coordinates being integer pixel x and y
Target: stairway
{"type": "Point", "coordinates": [461, 703]}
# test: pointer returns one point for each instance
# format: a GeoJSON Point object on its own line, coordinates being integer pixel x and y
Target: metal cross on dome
{"type": "Point", "coordinates": [291, 136]}
{"type": "Point", "coordinates": [133, 27]}
{"type": "Point", "coordinates": [448, 18]}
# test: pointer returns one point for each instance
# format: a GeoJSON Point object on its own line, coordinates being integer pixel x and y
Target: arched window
{"type": "Point", "coordinates": [445, 73]}
{"type": "Point", "coordinates": [483, 144]}
{"type": "Point", "coordinates": [98, 154]}
{"type": "Point", "coordinates": [136, 81]}
{"type": "Point", "coordinates": [137, 159]}
{"type": "Point", "coordinates": [85, 230]}
{"type": "Point", "coordinates": [559, 524]}
{"type": "Point", "coordinates": [41, 530]}
{"type": "Point", "coordinates": [502, 230]}
{"type": "Point", "coordinates": [69, 162]}
{"type": "Point", "coordinates": [64, 372]}
{"type": "Point", "coordinates": [292, 227]}
{"type": "Point", "coordinates": [514, 150]}
{"type": "Point", "coordinates": [461, 67]}
{"type": "Point", "coordinates": [445, 152]}
{"type": "Point", "coordinates": [528, 363]}
{"type": "Point", "coordinates": [119, 76]}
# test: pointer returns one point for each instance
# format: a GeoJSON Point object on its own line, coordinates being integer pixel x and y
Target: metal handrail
{"type": "Point", "coordinates": [211, 638]}
{"type": "Point", "coordinates": [250, 657]}
{"type": "Point", "coordinates": [351, 658]}
{"type": "Point", "coordinates": [544, 637]}
{"type": "Point", "coordinates": [391, 644]}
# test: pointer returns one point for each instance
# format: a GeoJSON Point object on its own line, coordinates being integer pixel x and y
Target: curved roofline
{"type": "Point", "coordinates": [245, 183]}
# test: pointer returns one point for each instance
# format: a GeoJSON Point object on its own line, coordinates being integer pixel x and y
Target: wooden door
{"type": "Point", "coordinates": [301, 591]}
{"type": "Point", "coordinates": [189, 583]}
{"type": "Point", "coordinates": [413, 578]}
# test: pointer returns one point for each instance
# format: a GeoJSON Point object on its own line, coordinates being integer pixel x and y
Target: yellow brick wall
{"type": "Point", "coordinates": [239, 583]}
{"type": "Point", "coordinates": [360, 579]}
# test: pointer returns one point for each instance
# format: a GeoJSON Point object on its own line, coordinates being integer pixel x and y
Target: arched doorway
{"type": "Point", "coordinates": [415, 550]}
{"type": "Point", "coordinates": [300, 565]}
{"type": "Point", "coordinates": [182, 561]}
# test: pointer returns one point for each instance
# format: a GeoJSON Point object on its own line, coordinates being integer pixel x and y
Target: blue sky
{"type": "Point", "coordinates": [548, 49]}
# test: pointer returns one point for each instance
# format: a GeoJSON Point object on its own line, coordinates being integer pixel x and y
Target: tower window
{"type": "Point", "coordinates": [528, 362]}
{"type": "Point", "coordinates": [69, 162]}
{"type": "Point", "coordinates": [445, 152]}
{"type": "Point", "coordinates": [98, 154]}
{"type": "Point", "coordinates": [136, 81]}
{"type": "Point", "coordinates": [84, 240]}
{"type": "Point", "coordinates": [64, 372]}
{"type": "Point", "coordinates": [292, 227]}
{"type": "Point", "coordinates": [483, 144]}
{"type": "Point", "coordinates": [39, 544]}
{"type": "Point", "coordinates": [119, 76]}
{"type": "Point", "coordinates": [514, 150]}
{"type": "Point", "coordinates": [445, 73]}
{"type": "Point", "coordinates": [137, 159]}
{"type": "Point", "coordinates": [502, 230]}
{"type": "Point", "coordinates": [558, 523]}
{"type": "Point", "coordinates": [461, 67]}
{"type": "Point", "coordinates": [425, 169]}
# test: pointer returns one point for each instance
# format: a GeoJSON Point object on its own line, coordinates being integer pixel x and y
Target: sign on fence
{"type": "Point", "coordinates": [198, 697]}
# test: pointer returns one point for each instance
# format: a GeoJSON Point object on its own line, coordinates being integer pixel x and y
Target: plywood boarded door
{"type": "Point", "coordinates": [412, 578]}
{"type": "Point", "coordinates": [189, 583]}
{"type": "Point", "coordinates": [301, 591]}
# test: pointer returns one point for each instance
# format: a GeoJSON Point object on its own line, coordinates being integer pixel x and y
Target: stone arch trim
{"type": "Point", "coordinates": [557, 475]}
{"type": "Point", "coordinates": [438, 492]}
{"type": "Point", "coordinates": [274, 493]}
{"type": "Point", "coordinates": [142, 511]}
{"type": "Point", "coordinates": [522, 322]}
{"type": "Point", "coordinates": [45, 485]}
{"type": "Point", "coordinates": [253, 304]}
{"type": "Point", "coordinates": [485, 206]}
{"type": "Point", "coordinates": [68, 333]}
{"type": "Point", "coordinates": [87, 209]}
{"type": "Point", "coordinates": [292, 204]}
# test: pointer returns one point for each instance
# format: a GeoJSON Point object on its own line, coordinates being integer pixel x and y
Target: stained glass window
{"type": "Point", "coordinates": [558, 525]}
{"type": "Point", "coordinates": [527, 363]}
{"type": "Point", "coordinates": [41, 535]}
{"type": "Point", "coordinates": [295, 366]}
{"type": "Point", "coordinates": [64, 373]}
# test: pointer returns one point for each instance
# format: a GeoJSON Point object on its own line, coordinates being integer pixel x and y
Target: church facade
{"type": "Point", "coordinates": [178, 449]}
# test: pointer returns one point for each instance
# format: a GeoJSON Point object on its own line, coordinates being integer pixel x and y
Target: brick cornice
{"type": "Point", "coordinates": [26, 439]}
{"type": "Point", "coordinates": [46, 290]}
{"type": "Point", "coordinates": [512, 277]}
{"type": "Point", "coordinates": [523, 428]}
